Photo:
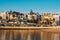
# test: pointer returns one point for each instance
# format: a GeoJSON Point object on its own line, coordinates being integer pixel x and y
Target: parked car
{"type": "Point", "coordinates": [31, 24]}
{"type": "Point", "coordinates": [3, 22]}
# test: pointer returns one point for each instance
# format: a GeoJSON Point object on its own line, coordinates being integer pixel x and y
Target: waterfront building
{"type": "Point", "coordinates": [32, 15]}
{"type": "Point", "coordinates": [56, 16]}
{"type": "Point", "coordinates": [3, 15]}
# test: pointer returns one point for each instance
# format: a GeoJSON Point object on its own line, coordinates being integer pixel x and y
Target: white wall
{"type": "Point", "coordinates": [3, 15]}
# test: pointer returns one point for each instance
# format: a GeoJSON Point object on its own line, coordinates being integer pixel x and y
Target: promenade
{"type": "Point", "coordinates": [46, 29]}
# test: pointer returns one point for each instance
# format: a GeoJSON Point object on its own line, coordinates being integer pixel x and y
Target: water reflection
{"type": "Point", "coordinates": [18, 37]}
{"type": "Point", "coordinates": [1, 35]}
{"type": "Point", "coordinates": [35, 36]}
{"type": "Point", "coordinates": [8, 36]}
{"type": "Point", "coordinates": [27, 35]}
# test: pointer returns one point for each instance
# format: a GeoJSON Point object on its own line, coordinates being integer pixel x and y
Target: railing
{"type": "Point", "coordinates": [30, 33]}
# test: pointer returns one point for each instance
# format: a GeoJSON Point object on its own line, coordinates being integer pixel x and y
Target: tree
{"type": "Point", "coordinates": [10, 14]}
{"type": "Point", "coordinates": [0, 17]}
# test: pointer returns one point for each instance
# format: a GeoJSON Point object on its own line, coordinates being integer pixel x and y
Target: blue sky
{"type": "Point", "coordinates": [25, 5]}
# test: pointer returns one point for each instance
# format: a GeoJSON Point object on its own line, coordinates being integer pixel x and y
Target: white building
{"type": "Point", "coordinates": [31, 17]}
{"type": "Point", "coordinates": [3, 15]}
{"type": "Point", "coordinates": [56, 16]}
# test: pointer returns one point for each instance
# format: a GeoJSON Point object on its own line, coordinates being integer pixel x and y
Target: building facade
{"type": "Point", "coordinates": [3, 15]}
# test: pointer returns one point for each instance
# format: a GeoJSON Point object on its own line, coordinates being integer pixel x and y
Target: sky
{"type": "Point", "coordinates": [24, 6]}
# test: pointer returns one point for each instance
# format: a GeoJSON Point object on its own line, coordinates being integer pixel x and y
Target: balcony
{"type": "Point", "coordinates": [30, 33]}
